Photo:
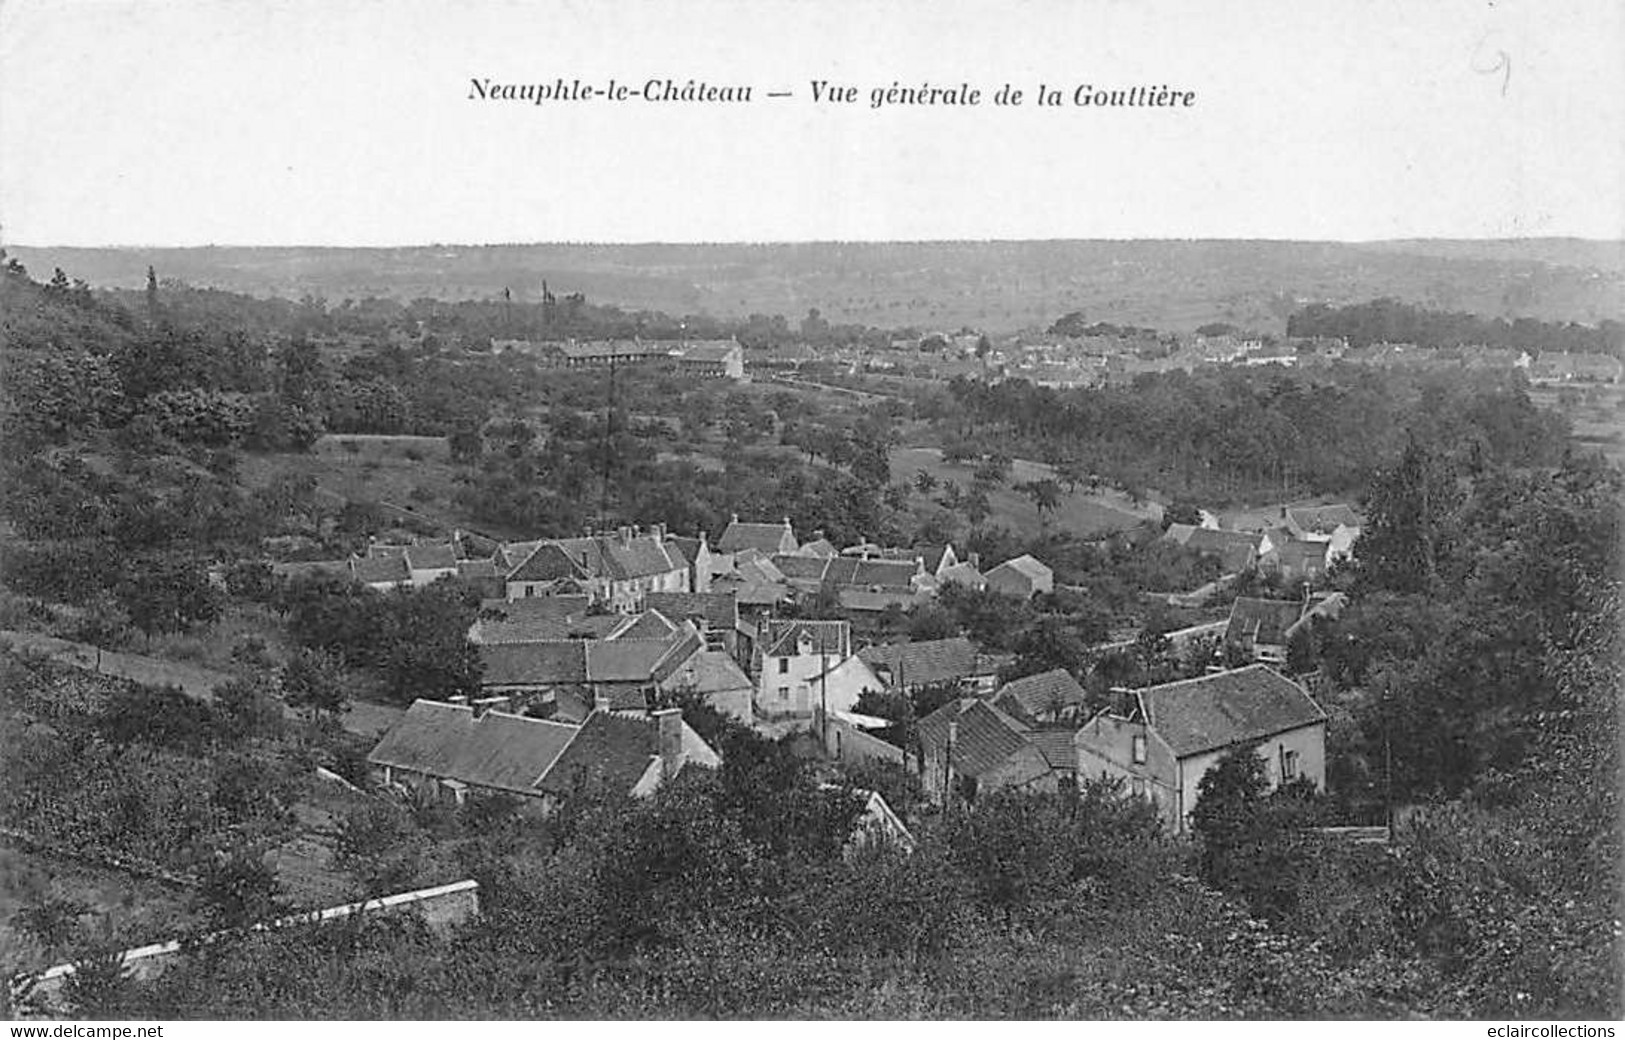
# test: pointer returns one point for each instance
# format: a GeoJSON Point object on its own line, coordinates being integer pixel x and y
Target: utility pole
{"type": "Point", "coordinates": [823, 693]}
{"type": "Point", "coordinates": [608, 443]}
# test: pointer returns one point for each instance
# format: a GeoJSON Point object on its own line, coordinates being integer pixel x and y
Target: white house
{"type": "Point", "coordinates": [807, 666]}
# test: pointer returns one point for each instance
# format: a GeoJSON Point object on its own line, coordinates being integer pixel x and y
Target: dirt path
{"type": "Point", "coordinates": [363, 718]}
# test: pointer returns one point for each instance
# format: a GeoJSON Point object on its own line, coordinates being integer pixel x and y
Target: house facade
{"type": "Point", "coordinates": [1160, 741]}
{"type": "Point", "coordinates": [806, 666]}
{"type": "Point", "coordinates": [1024, 577]}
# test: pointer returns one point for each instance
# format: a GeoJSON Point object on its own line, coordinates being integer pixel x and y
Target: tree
{"type": "Point", "coordinates": [311, 682]}
{"type": "Point", "coordinates": [380, 848]}
{"type": "Point", "coordinates": [924, 482]}
{"type": "Point", "coordinates": [237, 889]}
{"type": "Point", "coordinates": [167, 593]}
{"type": "Point", "coordinates": [1046, 496]}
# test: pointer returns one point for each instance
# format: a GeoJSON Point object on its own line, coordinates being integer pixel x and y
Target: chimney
{"type": "Point", "coordinates": [625, 534]}
{"type": "Point", "coordinates": [669, 722]}
{"type": "Point", "coordinates": [600, 701]}
{"type": "Point", "coordinates": [975, 559]}
{"type": "Point", "coordinates": [734, 518]}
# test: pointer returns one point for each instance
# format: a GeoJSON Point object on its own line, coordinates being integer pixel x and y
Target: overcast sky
{"type": "Point", "coordinates": [344, 122]}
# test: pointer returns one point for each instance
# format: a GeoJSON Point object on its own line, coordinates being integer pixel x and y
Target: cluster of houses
{"type": "Point", "coordinates": [589, 643]}
{"type": "Point", "coordinates": [1303, 547]}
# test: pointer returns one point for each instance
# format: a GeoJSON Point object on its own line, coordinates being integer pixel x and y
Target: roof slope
{"type": "Point", "coordinates": [764, 538]}
{"type": "Point", "coordinates": [719, 609]}
{"type": "Point", "coordinates": [1262, 620]}
{"type": "Point", "coordinates": [986, 737]}
{"type": "Point", "coordinates": [610, 749]}
{"type": "Point", "coordinates": [495, 750]}
{"type": "Point", "coordinates": [1034, 695]}
{"type": "Point", "coordinates": [923, 661]}
{"type": "Point", "coordinates": [1227, 708]}
{"type": "Point", "coordinates": [827, 637]}
{"type": "Point", "coordinates": [549, 562]}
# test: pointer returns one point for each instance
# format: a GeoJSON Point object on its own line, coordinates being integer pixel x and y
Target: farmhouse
{"type": "Point", "coordinates": [444, 751]}
{"type": "Point", "coordinates": [1163, 739]}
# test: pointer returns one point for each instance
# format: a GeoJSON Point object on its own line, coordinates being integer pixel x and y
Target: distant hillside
{"type": "Point", "coordinates": [998, 286]}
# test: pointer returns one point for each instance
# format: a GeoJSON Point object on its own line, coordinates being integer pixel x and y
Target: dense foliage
{"type": "Point", "coordinates": [1391, 321]}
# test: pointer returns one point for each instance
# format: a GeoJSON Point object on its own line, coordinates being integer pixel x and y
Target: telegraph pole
{"type": "Point", "coordinates": [608, 444]}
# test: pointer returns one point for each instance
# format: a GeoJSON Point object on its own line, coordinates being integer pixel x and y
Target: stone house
{"type": "Point", "coordinates": [1160, 741]}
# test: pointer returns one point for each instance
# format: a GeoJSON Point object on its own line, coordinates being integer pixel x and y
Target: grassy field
{"type": "Point", "coordinates": [1083, 513]}
{"type": "Point", "coordinates": [415, 475]}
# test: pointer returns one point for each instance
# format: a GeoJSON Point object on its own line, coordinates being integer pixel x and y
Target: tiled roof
{"type": "Point", "coordinates": [1227, 708]}
{"type": "Point", "coordinates": [932, 554]}
{"type": "Point", "coordinates": [651, 624]}
{"type": "Point", "coordinates": [1262, 620]}
{"type": "Point", "coordinates": [713, 671]}
{"type": "Point", "coordinates": [1056, 746]}
{"type": "Point", "coordinates": [377, 570]}
{"type": "Point", "coordinates": [1180, 533]}
{"type": "Point", "coordinates": [549, 562]}
{"type": "Point", "coordinates": [475, 569]}
{"type": "Point", "coordinates": [1029, 566]}
{"type": "Point", "coordinates": [533, 663]}
{"type": "Point", "coordinates": [896, 574]}
{"type": "Point", "coordinates": [802, 567]}
{"type": "Point", "coordinates": [611, 749]}
{"type": "Point", "coordinates": [1324, 519]}
{"type": "Point", "coordinates": [753, 568]}
{"type": "Point", "coordinates": [639, 556]}
{"type": "Point", "coordinates": [431, 556]}
{"type": "Point", "coordinates": [689, 547]}
{"type": "Point", "coordinates": [925, 661]}
{"type": "Point", "coordinates": [1044, 692]}
{"type": "Point", "coordinates": [1299, 553]}
{"type": "Point", "coordinates": [820, 547]}
{"type": "Point", "coordinates": [495, 750]}
{"type": "Point", "coordinates": [827, 637]}
{"type": "Point", "coordinates": [765, 538]}
{"type": "Point", "coordinates": [985, 739]}
{"type": "Point", "coordinates": [624, 660]}
{"type": "Point", "coordinates": [719, 609]}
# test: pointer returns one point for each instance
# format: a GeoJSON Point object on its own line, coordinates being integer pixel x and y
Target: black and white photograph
{"type": "Point", "coordinates": [990, 510]}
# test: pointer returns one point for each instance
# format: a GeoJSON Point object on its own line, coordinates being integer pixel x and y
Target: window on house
{"type": "Point", "coordinates": [1136, 787]}
{"type": "Point", "coordinates": [530, 591]}
{"type": "Point", "coordinates": [1139, 749]}
{"type": "Point", "coordinates": [1289, 767]}
{"type": "Point", "coordinates": [784, 693]}
{"type": "Point", "coordinates": [784, 665]}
